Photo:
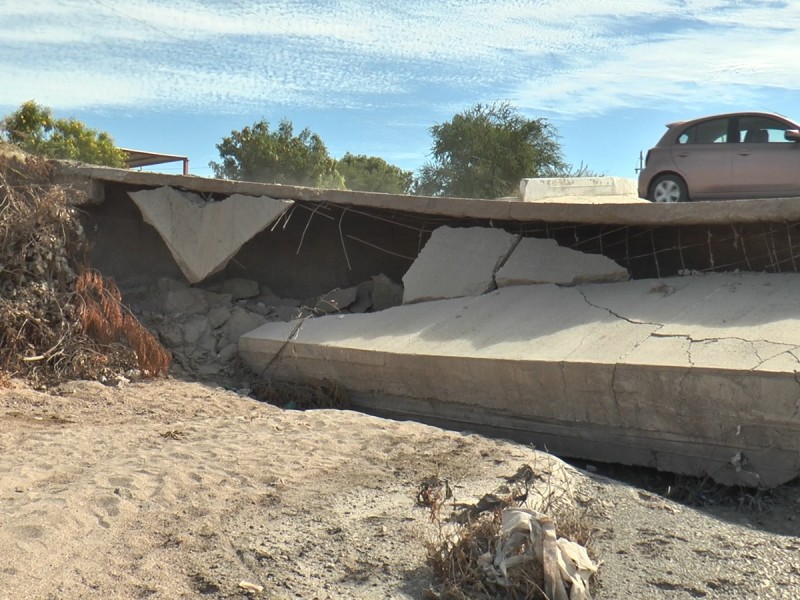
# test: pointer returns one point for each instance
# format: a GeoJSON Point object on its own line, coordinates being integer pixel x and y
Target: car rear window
{"type": "Point", "coordinates": [714, 131]}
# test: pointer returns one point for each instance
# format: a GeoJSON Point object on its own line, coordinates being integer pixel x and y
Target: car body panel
{"type": "Point", "coordinates": [735, 155]}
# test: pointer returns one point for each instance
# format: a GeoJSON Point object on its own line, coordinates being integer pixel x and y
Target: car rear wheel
{"type": "Point", "coordinates": [669, 188]}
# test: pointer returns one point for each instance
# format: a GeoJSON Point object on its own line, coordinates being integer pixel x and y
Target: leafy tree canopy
{"type": "Point", "coordinates": [33, 128]}
{"type": "Point", "coordinates": [485, 151]}
{"type": "Point", "coordinates": [373, 174]}
{"type": "Point", "coordinates": [257, 154]}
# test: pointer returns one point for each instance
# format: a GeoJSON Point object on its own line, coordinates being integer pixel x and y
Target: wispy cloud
{"type": "Point", "coordinates": [567, 57]}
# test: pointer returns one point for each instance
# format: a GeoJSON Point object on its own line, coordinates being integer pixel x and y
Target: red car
{"type": "Point", "coordinates": [737, 155]}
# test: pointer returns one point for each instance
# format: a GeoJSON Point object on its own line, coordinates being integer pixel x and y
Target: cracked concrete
{"type": "Point", "coordinates": [624, 372]}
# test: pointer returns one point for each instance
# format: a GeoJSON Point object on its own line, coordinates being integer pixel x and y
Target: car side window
{"type": "Point", "coordinates": [762, 130]}
{"type": "Point", "coordinates": [714, 131]}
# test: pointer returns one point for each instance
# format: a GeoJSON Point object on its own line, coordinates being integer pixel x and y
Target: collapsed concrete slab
{"type": "Point", "coordinates": [694, 375]}
{"type": "Point", "coordinates": [203, 236]}
{"type": "Point", "coordinates": [537, 260]}
{"type": "Point", "coordinates": [457, 262]}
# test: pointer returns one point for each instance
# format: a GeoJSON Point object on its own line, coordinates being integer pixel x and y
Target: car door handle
{"type": "Point", "coordinates": [744, 153]}
{"type": "Point", "coordinates": [683, 154]}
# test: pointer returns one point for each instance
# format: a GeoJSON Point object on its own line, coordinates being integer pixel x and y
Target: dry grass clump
{"type": "Point", "coordinates": [297, 395]}
{"type": "Point", "coordinates": [58, 319]}
{"type": "Point", "coordinates": [467, 540]}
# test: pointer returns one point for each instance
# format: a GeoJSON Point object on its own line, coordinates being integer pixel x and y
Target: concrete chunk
{"type": "Point", "coordinates": [457, 262]}
{"type": "Point", "coordinates": [241, 321]}
{"type": "Point", "coordinates": [240, 288]}
{"type": "Point", "coordinates": [385, 293]}
{"type": "Point", "coordinates": [203, 236]}
{"type": "Point", "coordinates": [537, 260]}
{"type": "Point", "coordinates": [336, 300]}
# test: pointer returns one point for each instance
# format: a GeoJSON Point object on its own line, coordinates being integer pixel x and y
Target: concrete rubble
{"type": "Point", "coordinates": [204, 235]}
{"type": "Point", "coordinates": [693, 375]}
{"type": "Point", "coordinates": [202, 326]}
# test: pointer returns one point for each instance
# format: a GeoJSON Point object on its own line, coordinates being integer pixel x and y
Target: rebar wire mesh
{"type": "Point", "coordinates": [672, 250]}
{"type": "Point", "coordinates": [646, 251]}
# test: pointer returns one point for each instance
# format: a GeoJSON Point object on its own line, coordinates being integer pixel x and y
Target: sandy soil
{"type": "Point", "coordinates": [171, 489]}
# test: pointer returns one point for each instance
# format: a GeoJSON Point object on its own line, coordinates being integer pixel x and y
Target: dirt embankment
{"type": "Point", "coordinates": [170, 489]}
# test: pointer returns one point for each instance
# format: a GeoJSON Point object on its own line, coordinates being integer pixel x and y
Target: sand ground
{"type": "Point", "coordinates": [173, 489]}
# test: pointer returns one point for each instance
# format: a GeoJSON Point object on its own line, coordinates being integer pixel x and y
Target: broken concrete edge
{"type": "Point", "coordinates": [644, 213]}
{"type": "Point", "coordinates": [541, 261]}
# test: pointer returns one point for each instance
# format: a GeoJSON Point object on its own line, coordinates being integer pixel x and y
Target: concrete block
{"type": "Point", "coordinates": [241, 321]}
{"type": "Point", "coordinates": [363, 301]}
{"type": "Point", "coordinates": [385, 293]}
{"type": "Point", "coordinates": [219, 315]}
{"type": "Point", "coordinates": [239, 288]}
{"type": "Point", "coordinates": [336, 300]}
{"type": "Point", "coordinates": [203, 236]}
{"type": "Point", "coordinates": [537, 260]}
{"type": "Point", "coordinates": [186, 301]}
{"type": "Point", "coordinates": [283, 313]}
{"type": "Point", "coordinates": [532, 190]}
{"type": "Point", "coordinates": [457, 262]}
{"type": "Point", "coordinates": [228, 353]}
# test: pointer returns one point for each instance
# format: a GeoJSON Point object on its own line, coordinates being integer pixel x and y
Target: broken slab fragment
{"type": "Point", "coordinates": [457, 262]}
{"type": "Point", "coordinates": [693, 375]}
{"type": "Point", "coordinates": [537, 260]}
{"type": "Point", "coordinates": [204, 235]}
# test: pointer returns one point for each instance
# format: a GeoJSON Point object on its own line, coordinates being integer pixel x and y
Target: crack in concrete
{"type": "Point", "coordinates": [617, 315]}
{"type": "Point", "coordinates": [504, 260]}
{"type": "Point", "coordinates": [796, 414]}
{"type": "Point", "coordinates": [614, 396]}
{"type": "Point", "coordinates": [681, 395]}
{"type": "Point", "coordinates": [692, 340]}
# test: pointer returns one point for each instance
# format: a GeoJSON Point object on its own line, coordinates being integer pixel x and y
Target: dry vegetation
{"type": "Point", "coordinates": [59, 320]}
{"type": "Point", "coordinates": [469, 539]}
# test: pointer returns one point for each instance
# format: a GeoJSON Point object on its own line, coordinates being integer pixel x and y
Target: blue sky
{"type": "Point", "coordinates": [371, 77]}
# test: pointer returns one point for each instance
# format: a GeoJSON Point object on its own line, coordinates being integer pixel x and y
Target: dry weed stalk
{"type": "Point", "coordinates": [301, 395]}
{"type": "Point", "coordinates": [105, 320]}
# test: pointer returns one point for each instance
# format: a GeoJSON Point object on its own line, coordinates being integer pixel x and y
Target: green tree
{"type": "Point", "coordinates": [373, 174]}
{"type": "Point", "coordinates": [484, 151]}
{"type": "Point", "coordinates": [33, 128]}
{"type": "Point", "coordinates": [256, 154]}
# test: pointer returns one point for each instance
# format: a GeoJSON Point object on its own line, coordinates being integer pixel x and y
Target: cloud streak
{"type": "Point", "coordinates": [567, 57]}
